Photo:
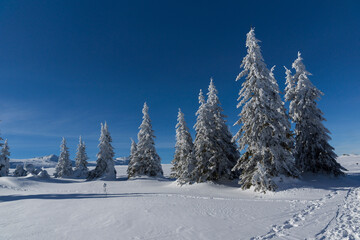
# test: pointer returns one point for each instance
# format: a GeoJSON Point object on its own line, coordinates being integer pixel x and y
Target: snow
{"type": "Point", "coordinates": [314, 207]}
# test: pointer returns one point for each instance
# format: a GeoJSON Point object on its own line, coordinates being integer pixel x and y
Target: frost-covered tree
{"type": "Point", "coordinates": [203, 143]}
{"type": "Point", "coordinates": [313, 153]}
{"type": "Point", "coordinates": [2, 163]}
{"type": "Point", "coordinates": [133, 150]}
{"type": "Point", "coordinates": [81, 169]}
{"type": "Point", "coordinates": [63, 167]}
{"type": "Point", "coordinates": [20, 171]}
{"type": "Point", "coordinates": [5, 154]}
{"type": "Point", "coordinates": [264, 135]}
{"type": "Point", "coordinates": [105, 166]}
{"type": "Point", "coordinates": [184, 159]}
{"type": "Point", "coordinates": [215, 152]}
{"type": "Point", "coordinates": [224, 162]}
{"type": "Point", "coordinates": [146, 161]}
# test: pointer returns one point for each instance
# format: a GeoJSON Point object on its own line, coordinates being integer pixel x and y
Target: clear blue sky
{"type": "Point", "coordinates": [66, 66]}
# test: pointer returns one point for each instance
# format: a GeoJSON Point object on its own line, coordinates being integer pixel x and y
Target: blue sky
{"type": "Point", "coordinates": [66, 66]}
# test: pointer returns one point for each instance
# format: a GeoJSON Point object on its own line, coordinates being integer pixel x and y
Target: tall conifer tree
{"type": "Point", "coordinates": [203, 144]}
{"type": "Point", "coordinates": [105, 166]}
{"type": "Point", "coordinates": [264, 135]}
{"type": "Point", "coordinates": [146, 160]}
{"type": "Point", "coordinates": [133, 149]}
{"type": "Point", "coordinates": [221, 135]}
{"type": "Point", "coordinates": [81, 169]}
{"type": "Point", "coordinates": [184, 159]}
{"type": "Point", "coordinates": [313, 153]}
{"type": "Point", "coordinates": [63, 167]}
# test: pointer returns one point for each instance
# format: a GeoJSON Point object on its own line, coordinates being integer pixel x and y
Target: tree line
{"type": "Point", "coordinates": [264, 148]}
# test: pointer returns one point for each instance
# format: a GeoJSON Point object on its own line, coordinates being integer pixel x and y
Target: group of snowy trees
{"type": "Point", "coordinates": [213, 154]}
{"type": "Point", "coordinates": [143, 158]}
{"type": "Point", "coordinates": [4, 158]}
{"type": "Point", "coordinates": [64, 166]}
{"type": "Point", "coordinates": [268, 146]}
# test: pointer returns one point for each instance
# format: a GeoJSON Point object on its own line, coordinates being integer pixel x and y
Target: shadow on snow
{"type": "Point", "coordinates": [10, 198]}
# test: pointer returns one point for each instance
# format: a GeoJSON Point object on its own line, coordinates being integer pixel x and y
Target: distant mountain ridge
{"type": "Point", "coordinates": [50, 161]}
{"type": "Point", "coordinates": [45, 161]}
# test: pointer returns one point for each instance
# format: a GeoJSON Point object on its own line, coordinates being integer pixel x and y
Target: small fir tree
{"type": "Point", "coordinates": [265, 135]}
{"type": "Point", "coordinates": [105, 166]}
{"type": "Point", "coordinates": [63, 167]}
{"type": "Point", "coordinates": [133, 149]}
{"type": "Point", "coordinates": [5, 155]}
{"type": "Point", "coordinates": [313, 153]}
{"type": "Point", "coordinates": [146, 160]}
{"type": "Point", "coordinates": [81, 169]}
{"type": "Point", "coordinates": [2, 162]}
{"type": "Point", "coordinates": [184, 159]}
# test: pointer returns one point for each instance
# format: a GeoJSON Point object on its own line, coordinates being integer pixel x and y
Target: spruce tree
{"type": "Point", "coordinates": [81, 169]}
{"type": "Point", "coordinates": [223, 163]}
{"type": "Point", "coordinates": [133, 149]}
{"type": "Point", "coordinates": [5, 154]}
{"type": "Point", "coordinates": [105, 166]}
{"type": "Point", "coordinates": [63, 167]}
{"type": "Point", "coordinates": [203, 143]}
{"type": "Point", "coordinates": [313, 153]}
{"type": "Point", "coordinates": [146, 161]}
{"type": "Point", "coordinates": [184, 159]}
{"type": "Point", "coordinates": [2, 162]}
{"type": "Point", "coordinates": [265, 135]}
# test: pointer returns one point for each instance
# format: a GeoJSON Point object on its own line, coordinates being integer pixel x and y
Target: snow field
{"type": "Point", "coordinates": [145, 208]}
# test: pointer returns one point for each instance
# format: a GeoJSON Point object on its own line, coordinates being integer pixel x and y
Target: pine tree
{"type": "Point", "coordinates": [313, 153]}
{"type": "Point", "coordinates": [146, 160]}
{"type": "Point", "coordinates": [133, 149]}
{"type": "Point", "coordinates": [63, 167]}
{"type": "Point", "coordinates": [105, 166]}
{"type": "Point", "coordinates": [5, 154]}
{"type": "Point", "coordinates": [222, 137]}
{"type": "Point", "coordinates": [3, 168]}
{"type": "Point", "coordinates": [203, 143]}
{"type": "Point", "coordinates": [184, 159]}
{"type": "Point", "coordinates": [81, 169]}
{"type": "Point", "coordinates": [265, 135]}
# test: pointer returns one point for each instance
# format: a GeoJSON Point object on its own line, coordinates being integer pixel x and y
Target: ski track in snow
{"type": "Point", "coordinates": [297, 220]}
{"type": "Point", "coordinates": [346, 224]}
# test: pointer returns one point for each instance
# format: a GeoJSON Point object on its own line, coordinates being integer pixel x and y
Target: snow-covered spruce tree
{"type": "Point", "coordinates": [226, 153]}
{"type": "Point", "coordinates": [105, 166]}
{"type": "Point", "coordinates": [5, 154]}
{"type": "Point", "coordinates": [313, 153]}
{"type": "Point", "coordinates": [63, 167]}
{"type": "Point", "coordinates": [204, 145]}
{"type": "Point", "coordinates": [264, 135]}
{"type": "Point", "coordinates": [133, 150]}
{"type": "Point", "coordinates": [2, 162]}
{"type": "Point", "coordinates": [146, 160]}
{"type": "Point", "coordinates": [184, 159]}
{"type": "Point", "coordinates": [81, 169]}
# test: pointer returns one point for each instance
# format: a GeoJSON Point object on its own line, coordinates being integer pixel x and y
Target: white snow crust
{"type": "Point", "coordinates": [313, 207]}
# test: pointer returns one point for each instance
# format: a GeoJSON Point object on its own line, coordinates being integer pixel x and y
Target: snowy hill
{"type": "Point", "coordinates": [49, 161]}
{"type": "Point", "coordinates": [122, 161]}
{"type": "Point", "coordinates": [314, 207]}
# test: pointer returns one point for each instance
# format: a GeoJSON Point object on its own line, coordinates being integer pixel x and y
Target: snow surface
{"type": "Point", "coordinates": [315, 207]}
